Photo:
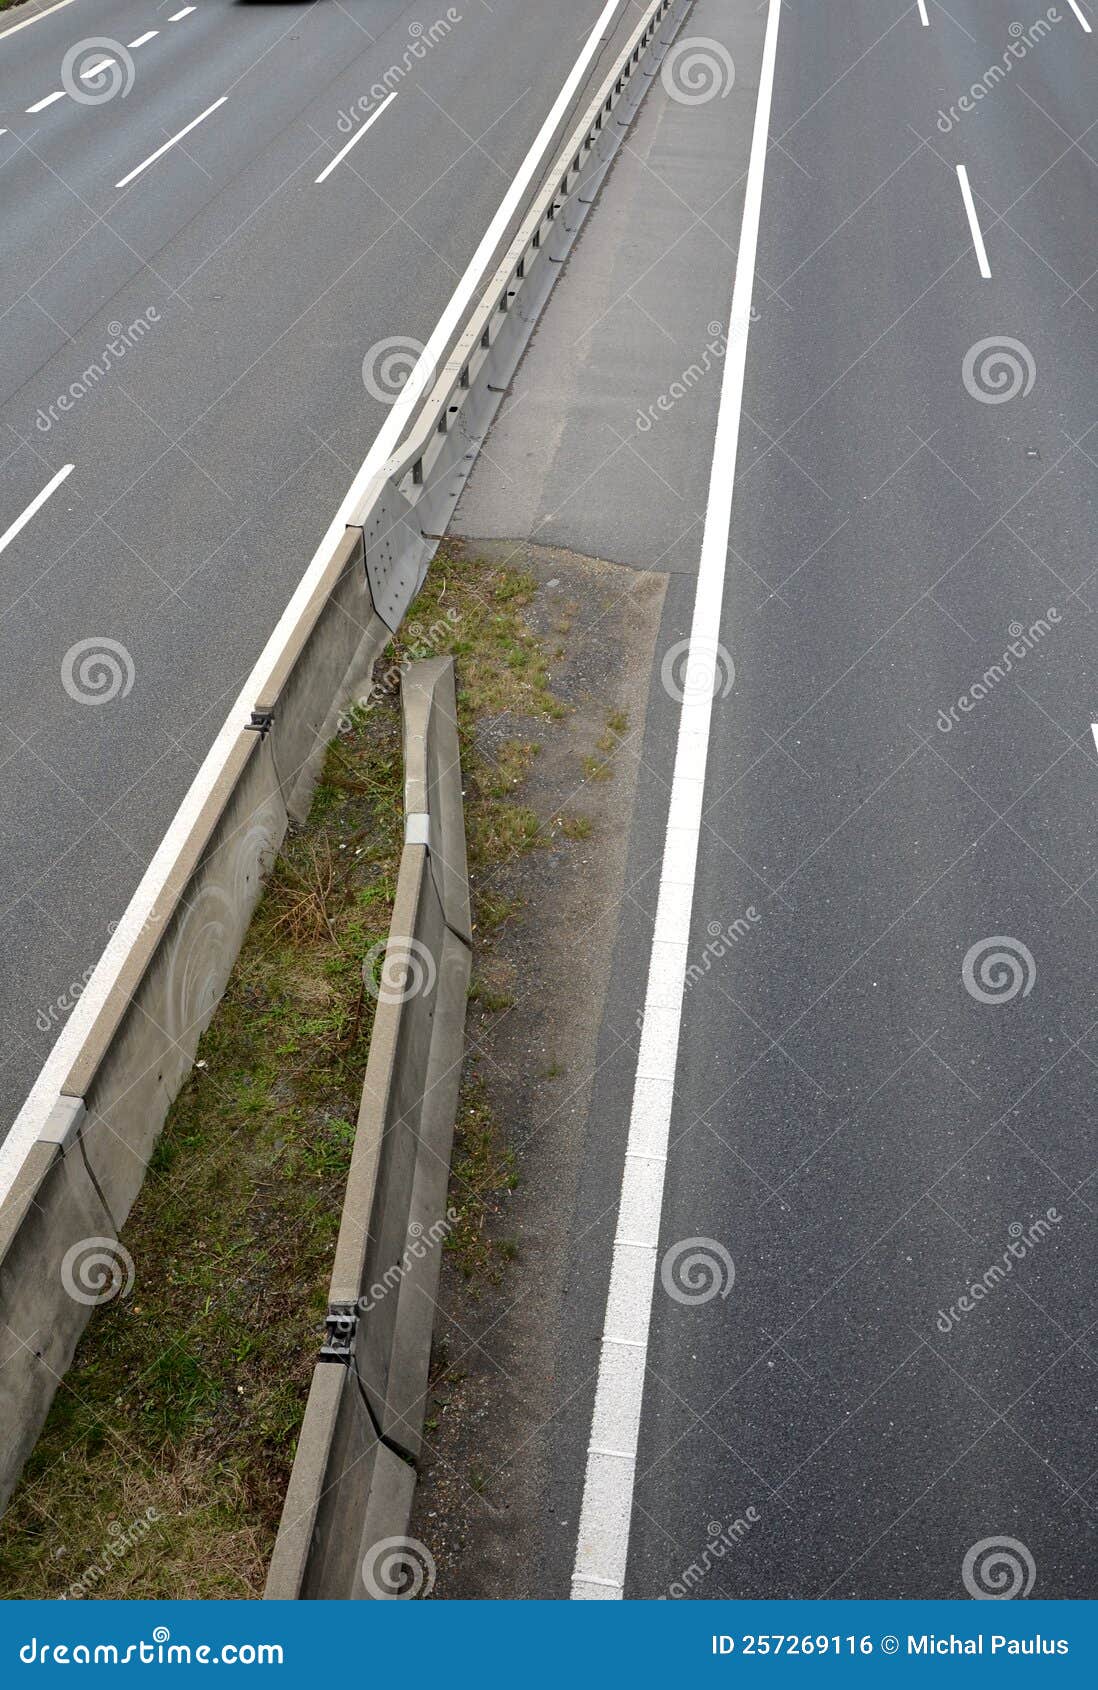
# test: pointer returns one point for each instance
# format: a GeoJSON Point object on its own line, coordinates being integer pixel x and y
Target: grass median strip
{"type": "Point", "coordinates": [162, 1468]}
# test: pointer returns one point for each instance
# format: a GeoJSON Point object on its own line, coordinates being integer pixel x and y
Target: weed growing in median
{"type": "Point", "coordinates": [184, 1402]}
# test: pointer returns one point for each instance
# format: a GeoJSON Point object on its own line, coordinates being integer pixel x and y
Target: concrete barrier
{"type": "Point", "coordinates": [353, 1479]}
{"type": "Point", "coordinates": [75, 1158]}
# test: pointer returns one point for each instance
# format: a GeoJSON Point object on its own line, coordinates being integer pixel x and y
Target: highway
{"type": "Point", "coordinates": [829, 1326]}
{"type": "Point", "coordinates": [869, 1110]}
{"type": "Point", "coordinates": [228, 230]}
{"type": "Point", "coordinates": [848, 1347]}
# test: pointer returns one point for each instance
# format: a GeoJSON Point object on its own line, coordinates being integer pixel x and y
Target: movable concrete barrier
{"type": "Point", "coordinates": [75, 1158]}
{"type": "Point", "coordinates": [353, 1480]}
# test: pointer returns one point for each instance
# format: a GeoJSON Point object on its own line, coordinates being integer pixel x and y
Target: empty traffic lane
{"type": "Point", "coordinates": [210, 300]}
{"type": "Point", "coordinates": [870, 1369]}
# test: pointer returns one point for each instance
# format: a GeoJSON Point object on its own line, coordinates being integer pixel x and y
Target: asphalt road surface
{"type": "Point", "coordinates": [194, 272]}
{"type": "Point", "coordinates": [888, 1080]}
{"type": "Point", "coordinates": [870, 1354]}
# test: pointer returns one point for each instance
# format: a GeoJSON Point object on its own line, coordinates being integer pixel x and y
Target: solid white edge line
{"type": "Point", "coordinates": [42, 1095]}
{"type": "Point", "coordinates": [357, 136]}
{"type": "Point", "coordinates": [923, 14]}
{"type": "Point", "coordinates": [14, 28]}
{"type": "Point", "coordinates": [602, 1545]}
{"type": "Point", "coordinates": [141, 39]}
{"type": "Point", "coordinates": [1074, 4]}
{"type": "Point", "coordinates": [974, 223]}
{"type": "Point", "coordinates": [35, 505]}
{"type": "Point", "coordinates": [160, 151]}
{"type": "Point", "coordinates": [40, 105]}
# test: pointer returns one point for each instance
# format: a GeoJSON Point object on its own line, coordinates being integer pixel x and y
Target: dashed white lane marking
{"type": "Point", "coordinates": [606, 1513]}
{"type": "Point", "coordinates": [48, 101]}
{"type": "Point", "coordinates": [35, 505]}
{"type": "Point", "coordinates": [160, 151]}
{"type": "Point", "coordinates": [357, 136]}
{"type": "Point", "coordinates": [141, 39]}
{"type": "Point", "coordinates": [100, 64]}
{"type": "Point", "coordinates": [186, 12]}
{"type": "Point", "coordinates": [923, 14]}
{"type": "Point", "coordinates": [1094, 731]}
{"type": "Point", "coordinates": [1077, 9]}
{"type": "Point", "coordinates": [974, 223]}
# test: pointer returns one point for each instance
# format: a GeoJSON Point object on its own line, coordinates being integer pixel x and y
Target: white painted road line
{"type": "Point", "coordinates": [1076, 8]}
{"type": "Point", "coordinates": [13, 29]}
{"type": "Point", "coordinates": [974, 223]}
{"type": "Point", "coordinates": [1094, 731]}
{"type": "Point", "coordinates": [389, 434]}
{"type": "Point", "coordinates": [602, 1547]}
{"type": "Point", "coordinates": [35, 505]}
{"type": "Point", "coordinates": [185, 13]}
{"type": "Point", "coordinates": [141, 39]}
{"type": "Point", "coordinates": [100, 64]}
{"type": "Point", "coordinates": [48, 101]}
{"type": "Point", "coordinates": [923, 15]}
{"type": "Point", "coordinates": [357, 136]}
{"type": "Point", "coordinates": [58, 1064]}
{"type": "Point", "coordinates": [160, 151]}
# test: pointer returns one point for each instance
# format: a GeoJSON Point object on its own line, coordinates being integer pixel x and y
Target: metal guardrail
{"type": "Point", "coordinates": [354, 1472]}
{"type": "Point", "coordinates": [76, 1156]}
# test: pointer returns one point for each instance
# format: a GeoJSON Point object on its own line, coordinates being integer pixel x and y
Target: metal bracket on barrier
{"type": "Point", "coordinates": [340, 1324]}
{"type": "Point", "coordinates": [261, 723]}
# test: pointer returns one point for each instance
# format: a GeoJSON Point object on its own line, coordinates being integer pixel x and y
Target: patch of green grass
{"type": "Point", "coordinates": [184, 1401]}
{"type": "Point", "coordinates": [597, 768]}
